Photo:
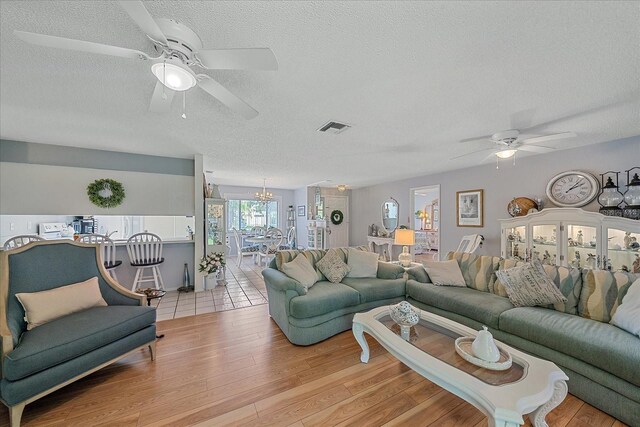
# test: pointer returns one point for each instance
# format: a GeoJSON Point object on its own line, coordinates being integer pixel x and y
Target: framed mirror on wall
{"type": "Point", "coordinates": [390, 215]}
{"type": "Point", "coordinates": [424, 218]}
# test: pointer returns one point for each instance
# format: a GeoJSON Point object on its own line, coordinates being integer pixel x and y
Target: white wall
{"type": "Point", "coordinates": [300, 199]}
{"type": "Point", "coordinates": [527, 178]}
{"type": "Point", "coordinates": [31, 189]}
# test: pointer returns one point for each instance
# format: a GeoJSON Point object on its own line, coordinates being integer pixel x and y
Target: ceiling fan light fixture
{"type": "Point", "coordinates": [174, 75]}
{"type": "Point", "coordinates": [505, 154]}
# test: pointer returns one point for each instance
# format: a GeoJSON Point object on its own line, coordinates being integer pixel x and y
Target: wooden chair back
{"type": "Point", "coordinates": [107, 247]}
{"type": "Point", "coordinates": [17, 241]}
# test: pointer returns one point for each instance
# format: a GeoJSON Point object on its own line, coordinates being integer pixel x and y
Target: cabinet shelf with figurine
{"type": "Point", "coordinates": [573, 237]}
{"type": "Point", "coordinates": [215, 226]}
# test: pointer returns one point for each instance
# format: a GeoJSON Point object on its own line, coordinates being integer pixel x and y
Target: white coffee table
{"type": "Point", "coordinates": [531, 386]}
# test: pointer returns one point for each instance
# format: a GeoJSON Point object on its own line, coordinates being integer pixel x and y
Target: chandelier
{"type": "Point", "coordinates": [264, 196]}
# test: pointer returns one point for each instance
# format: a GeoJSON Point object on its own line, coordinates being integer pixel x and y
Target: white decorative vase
{"type": "Point", "coordinates": [211, 280]}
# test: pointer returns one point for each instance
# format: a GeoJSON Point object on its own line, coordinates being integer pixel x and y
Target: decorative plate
{"type": "Point", "coordinates": [463, 348]}
{"type": "Point", "coordinates": [520, 206]}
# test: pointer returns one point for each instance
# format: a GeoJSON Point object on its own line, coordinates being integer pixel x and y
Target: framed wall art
{"type": "Point", "coordinates": [470, 208]}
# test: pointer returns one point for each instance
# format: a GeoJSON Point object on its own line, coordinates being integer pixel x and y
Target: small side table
{"type": "Point", "coordinates": [151, 293]}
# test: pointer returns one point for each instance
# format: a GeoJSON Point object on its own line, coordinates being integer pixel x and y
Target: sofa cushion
{"type": "Point", "coordinates": [376, 289]}
{"type": "Point", "coordinates": [445, 273]}
{"type": "Point", "coordinates": [332, 266]}
{"type": "Point", "coordinates": [72, 336]}
{"type": "Point", "coordinates": [322, 298]}
{"type": "Point", "coordinates": [315, 255]}
{"type": "Point", "coordinates": [477, 270]}
{"type": "Point", "coordinates": [300, 269]}
{"type": "Point", "coordinates": [599, 344]}
{"type": "Point", "coordinates": [528, 285]}
{"type": "Point", "coordinates": [569, 281]}
{"type": "Point", "coordinates": [602, 293]}
{"type": "Point", "coordinates": [419, 274]}
{"type": "Point", "coordinates": [482, 307]}
{"type": "Point", "coordinates": [283, 257]}
{"type": "Point", "coordinates": [362, 263]}
{"type": "Point", "coordinates": [495, 285]}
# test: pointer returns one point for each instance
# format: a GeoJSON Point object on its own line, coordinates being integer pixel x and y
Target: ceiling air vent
{"type": "Point", "coordinates": [333, 127]}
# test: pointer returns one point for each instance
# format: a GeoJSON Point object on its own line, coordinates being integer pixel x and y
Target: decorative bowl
{"type": "Point", "coordinates": [463, 348]}
{"type": "Point", "coordinates": [404, 314]}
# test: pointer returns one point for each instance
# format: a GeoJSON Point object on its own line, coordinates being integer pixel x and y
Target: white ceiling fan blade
{"type": "Point", "coordinates": [536, 148]}
{"type": "Point", "coordinates": [143, 19]}
{"type": "Point", "coordinates": [238, 59]}
{"type": "Point", "coordinates": [545, 138]}
{"type": "Point", "coordinates": [223, 95]}
{"type": "Point", "coordinates": [79, 45]}
{"type": "Point", "coordinates": [160, 103]}
{"type": "Point", "coordinates": [471, 153]}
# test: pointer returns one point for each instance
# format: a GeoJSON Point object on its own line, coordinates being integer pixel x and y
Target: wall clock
{"type": "Point", "coordinates": [572, 189]}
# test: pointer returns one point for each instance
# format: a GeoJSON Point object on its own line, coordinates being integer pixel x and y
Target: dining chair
{"type": "Point", "coordinates": [145, 252]}
{"type": "Point", "coordinates": [107, 251]}
{"type": "Point", "coordinates": [273, 240]}
{"type": "Point", "coordinates": [291, 239]}
{"type": "Point", "coordinates": [243, 250]}
{"type": "Point", "coordinates": [471, 243]}
{"type": "Point", "coordinates": [258, 231]}
{"type": "Point", "coordinates": [17, 241]}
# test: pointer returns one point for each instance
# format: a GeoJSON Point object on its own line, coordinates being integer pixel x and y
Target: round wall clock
{"type": "Point", "coordinates": [572, 189]}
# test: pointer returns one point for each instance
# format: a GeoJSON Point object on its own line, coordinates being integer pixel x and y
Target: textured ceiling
{"type": "Point", "coordinates": [413, 78]}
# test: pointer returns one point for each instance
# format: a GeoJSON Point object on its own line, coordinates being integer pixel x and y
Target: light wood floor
{"type": "Point", "coordinates": [237, 368]}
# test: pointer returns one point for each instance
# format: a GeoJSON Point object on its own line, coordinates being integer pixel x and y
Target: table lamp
{"type": "Point", "coordinates": [406, 238]}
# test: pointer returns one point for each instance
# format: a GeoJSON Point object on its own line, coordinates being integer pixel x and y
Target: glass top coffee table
{"type": "Point", "coordinates": [531, 386]}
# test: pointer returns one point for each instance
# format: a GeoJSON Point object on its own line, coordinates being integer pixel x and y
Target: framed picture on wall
{"type": "Point", "coordinates": [470, 208]}
{"type": "Point", "coordinates": [301, 210]}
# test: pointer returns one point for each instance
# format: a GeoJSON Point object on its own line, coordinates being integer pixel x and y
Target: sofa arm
{"type": "Point", "coordinates": [387, 270]}
{"type": "Point", "coordinates": [281, 282]}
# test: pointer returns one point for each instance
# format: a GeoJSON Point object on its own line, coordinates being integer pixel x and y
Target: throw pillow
{"type": "Point", "coordinates": [362, 263]}
{"type": "Point", "coordinates": [445, 273]}
{"type": "Point", "coordinates": [495, 286]}
{"type": "Point", "coordinates": [569, 281]}
{"type": "Point", "coordinates": [477, 270]}
{"type": "Point", "coordinates": [282, 257]}
{"type": "Point", "coordinates": [44, 306]}
{"type": "Point", "coordinates": [627, 316]}
{"type": "Point", "coordinates": [301, 270]}
{"type": "Point", "coordinates": [332, 266]}
{"type": "Point", "coordinates": [529, 285]}
{"type": "Point", "coordinates": [602, 293]}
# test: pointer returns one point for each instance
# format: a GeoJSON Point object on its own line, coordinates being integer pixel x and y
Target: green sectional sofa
{"type": "Point", "coordinates": [601, 360]}
{"type": "Point", "coordinates": [39, 361]}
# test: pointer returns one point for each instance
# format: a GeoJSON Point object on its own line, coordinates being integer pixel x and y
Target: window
{"type": "Point", "coordinates": [245, 214]}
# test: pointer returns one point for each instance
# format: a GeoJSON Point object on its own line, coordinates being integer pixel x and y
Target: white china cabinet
{"type": "Point", "coordinates": [573, 237]}
{"type": "Point", "coordinates": [215, 226]}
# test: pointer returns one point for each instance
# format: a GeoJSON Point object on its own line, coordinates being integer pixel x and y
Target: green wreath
{"type": "Point", "coordinates": [337, 217]}
{"type": "Point", "coordinates": [106, 193]}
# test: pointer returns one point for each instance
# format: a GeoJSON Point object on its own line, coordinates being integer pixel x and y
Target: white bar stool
{"type": "Point", "coordinates": [145, 252]}
{"type": "Point", "coordinates": [107, 250]}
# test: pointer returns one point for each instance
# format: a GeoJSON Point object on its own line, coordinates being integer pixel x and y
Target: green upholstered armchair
{"type": "Point", "coordinates": [37, 362]}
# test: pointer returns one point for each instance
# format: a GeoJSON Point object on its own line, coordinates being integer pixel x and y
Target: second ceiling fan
{"type": "Point", "coordinates": [179, 50]}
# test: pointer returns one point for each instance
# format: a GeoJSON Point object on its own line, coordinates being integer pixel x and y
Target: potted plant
{"type": "Point", "coordinates": [211, 264]}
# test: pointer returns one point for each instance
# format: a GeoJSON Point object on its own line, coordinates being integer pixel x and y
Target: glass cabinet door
{"type": "Point", "coordinates": [215, 224]}
{"type": "Point", "coordinates": [582, 246]}
{"type": "Point", "coordinates": [545, 244]}
{"type": "Point", "coordinates": [516, 242]}
{"type": "Point", "coordinates": [623, 250]}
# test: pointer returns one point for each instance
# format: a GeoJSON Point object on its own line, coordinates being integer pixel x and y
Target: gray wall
{"type": "Point", "coordinates": [527, 178]}
{"type": "Point", "coordinates": [52, 180]}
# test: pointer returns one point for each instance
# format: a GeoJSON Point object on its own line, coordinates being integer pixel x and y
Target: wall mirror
{"type": "Point", "coordinates": [390, 215]}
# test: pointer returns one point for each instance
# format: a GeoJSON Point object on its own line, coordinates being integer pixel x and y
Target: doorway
{"type": "Point", "coordinates": [425, 220]}
{"type": "Point", "coordinates": [338, 235]}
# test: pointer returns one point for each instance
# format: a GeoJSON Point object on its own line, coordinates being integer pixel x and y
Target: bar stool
{"type": "Point", "coordinates": [145, 252]}
{"type": "Point", "coordinates": [107, 250]}
{"type": "Point", "coordinates": [17, 241]}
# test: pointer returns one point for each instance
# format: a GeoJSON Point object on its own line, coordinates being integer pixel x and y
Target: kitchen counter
{"type": "Point", "coordinates": [172, 241]}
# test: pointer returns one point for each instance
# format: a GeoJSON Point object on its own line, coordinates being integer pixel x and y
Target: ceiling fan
{"type": "Point", "coordinates": [508, 142]}
{"type": "Point", "coordinates": [179, 50]}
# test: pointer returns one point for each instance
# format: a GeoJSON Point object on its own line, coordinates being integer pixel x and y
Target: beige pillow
{"type": "Point", "coordinates": [528, 285]}
{"type": "Point", "coordinates": [300, 269]}
{"type": "Point", "coordinates": [362, 263]}
{"type": "Point", "coordinates": [445, 273]}
{"type": "Point", "coordinates": [45, 306]}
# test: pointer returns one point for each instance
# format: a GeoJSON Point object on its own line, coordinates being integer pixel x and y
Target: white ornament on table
{"type": "Point", "coordinates": [484, 347]}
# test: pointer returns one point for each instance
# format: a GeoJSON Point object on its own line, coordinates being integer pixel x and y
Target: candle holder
{"type": "Point", "coordinates": [610, 197]}
{"type": "Point", "coordinates": [632, 195]}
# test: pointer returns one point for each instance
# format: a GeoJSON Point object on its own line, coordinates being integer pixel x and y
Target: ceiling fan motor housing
{"type": "Point", "coordinates": [507, 137]}
{"type": "Point", "coordinates": [182, 40]}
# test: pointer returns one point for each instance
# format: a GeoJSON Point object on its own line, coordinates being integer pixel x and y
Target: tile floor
{"type": "Point", "coordinates": [245, 287]}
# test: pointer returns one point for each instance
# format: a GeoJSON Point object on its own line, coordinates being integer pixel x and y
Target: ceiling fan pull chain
{"type": "Point", "coordinates": [164, 79]}
{"type": "Point", "coordinates": [497, 162]}
{"type": "Point", "coordinates": [184, 104]}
